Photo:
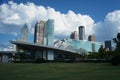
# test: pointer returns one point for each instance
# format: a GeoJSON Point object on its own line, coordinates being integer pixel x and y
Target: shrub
{"type": "Point", "coordinates": [40, 60]}
{"type": "Point", "coordinates": [115, 60]}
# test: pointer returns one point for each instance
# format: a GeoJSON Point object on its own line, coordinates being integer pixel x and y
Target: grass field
{"type": "Point", "coordinates": [59, 71]}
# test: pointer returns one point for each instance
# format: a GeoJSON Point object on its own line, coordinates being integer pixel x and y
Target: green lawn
{"type": "Point", "coordinates": [59, 71]}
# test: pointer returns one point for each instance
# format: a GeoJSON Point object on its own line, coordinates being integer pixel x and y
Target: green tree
{"type": "Point", "coordinates": [117, 42]}
{"type": "Point", "coordinates": [102, 52]}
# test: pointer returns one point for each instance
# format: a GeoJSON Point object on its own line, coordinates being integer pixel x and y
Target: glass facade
{"type": "Point", "coordinates": [49, 32]}
{"type": "Point", "coordinates": [39, 32]}
{"type": "Point", "coordinates": [24, 33]}
{"type": "Point", "coordinates": [86, 45]}
{"type": "Point", "coordinates": [79, 46]}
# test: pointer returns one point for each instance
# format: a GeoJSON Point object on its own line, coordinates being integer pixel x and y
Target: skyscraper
{"type": "Point", "coordinates": [49, 32]}
{"type": "Point", "coordinates": [108, 45]}
{"type": "Point", "coordinates": [49, 38]}
{"type": "Point", "coordinates": [74, 35]}
{"type": "Point", "coordinates": [39, 32]}
{"type": "Point", "coordinates": [81, 33]}
{"type": "Point", "coordinates": [91, 38]}
{"type": "Point", "coordinates": [44, 34]}
{"type": "Point", "coordinates": [24, 33]}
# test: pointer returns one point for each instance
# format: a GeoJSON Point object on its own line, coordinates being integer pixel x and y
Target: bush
{"type": "Point", "coordinates": [115, 60]}
{"type": "Point", "coordinates": [40, 60]}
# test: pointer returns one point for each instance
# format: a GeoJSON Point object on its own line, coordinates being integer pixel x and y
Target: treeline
{"type": "Point", "coordinates": [103, 54]}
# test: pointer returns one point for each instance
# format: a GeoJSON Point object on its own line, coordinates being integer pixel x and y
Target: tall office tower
{"type": "Point", "coordinates": [24, 33]}
{"type": "Point", "coordinates": [91, 38]}
{"type": "Point", "coordinates": [108, 45]}
{"type": "Point", "coordinates": [49, 38]}
{"type": "Point", "coordinates": [39, 32]}
{"type": "Point", "coordinates": [74, 35]}
{"type": "Point", "coordinates": [36, 33]}
{"type": "Point", "coordinates": [49, 32]}
{"type": "Point", "coordinates": [81, 33]}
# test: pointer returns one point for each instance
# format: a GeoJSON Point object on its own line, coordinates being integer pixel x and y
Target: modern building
{"type": "Point", "coordinates": [6, 56]}
{"type": "Point", "coordinates": [49, 33]}
{"type": "Point", "coordinates": [43, 32]}
{"type": "Point", "coordinates": [43, 36]}
{"type": "Point", "coordinates": [45, 48]}
{"type": "Point", "coordinates": [30, 52]}
{"type": "Point", "coordinates": [81, 33]}
{"type": "Point", "coordinates": [24, 33]}
{"type": "Point", "coordinates": [49, 38]}
{"type": "Point", "coordinates": [91, 38]}
{"type": "Point", "coordinates": [74, 35]}
{"type": "Point", "coordinates": [81, 46]}
{"type": "Point", "coordinates": [39, 32]}
{"type": "Point", "coordinates": [108, 45]}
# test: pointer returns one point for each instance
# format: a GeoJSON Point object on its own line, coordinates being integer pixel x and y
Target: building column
{"type": "Point", "coordinates": [4, 58]}
{"type": "Point", "coordinates": [45, 54]}
{"type": "Point", "coordinates": [50, 55]}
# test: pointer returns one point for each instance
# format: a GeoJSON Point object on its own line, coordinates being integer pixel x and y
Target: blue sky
{"type": "Point", "coordinates": [99, 14]}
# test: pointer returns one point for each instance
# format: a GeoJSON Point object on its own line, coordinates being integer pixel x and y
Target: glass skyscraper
{"type": "Point", "coordinates": [44, 35]}
{"type": "Point", "coordinates": [24, 33]}
{"type": "Point", "coordinates": [44, 32]}
{"type": "Point", "coordinates": [49, 32]}
{"type": "Point", "coordinates": [39, 32]}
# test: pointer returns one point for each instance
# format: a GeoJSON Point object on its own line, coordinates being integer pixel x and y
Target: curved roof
{"type": "Point", "coordinates": [33, 46]}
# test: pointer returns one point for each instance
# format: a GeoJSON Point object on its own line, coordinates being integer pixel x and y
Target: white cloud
{"type": "Point", "coordinates": [17, 14]}
{"type": "Point", "coordinates": [110, 27]}
{"type": "Point", "coordinates": [5, 47]}
{"type": "Point", "coordinates": [13, 16]}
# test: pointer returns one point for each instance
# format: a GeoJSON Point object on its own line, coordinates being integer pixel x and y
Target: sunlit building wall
{"type": "Point", "coordinates": [39, 32]}
{"type": "Point", "coordinates": [91, 38]}
{"type": "Point", "coordinates": [74, 35]}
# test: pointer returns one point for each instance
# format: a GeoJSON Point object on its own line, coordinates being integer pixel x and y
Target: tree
{"type": "Point", "coordinates": [117, 42]}
{"type": "Point", "coordinates": [101, 52]}
{"type": "Point", "coordinates": [116, 57]}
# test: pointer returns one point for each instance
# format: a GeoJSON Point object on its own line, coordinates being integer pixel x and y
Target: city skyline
{"type": "Point", "coordinates": [102, 21]}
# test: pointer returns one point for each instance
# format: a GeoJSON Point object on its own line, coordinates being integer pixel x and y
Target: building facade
{"type": "Point", "coordinates": [91, 38]}
{"type": "Point", "coordinates": [86, 45]}
{"type": "Point", "coordinates": [44, 46]}
{"type": "Point", "coordinates": [44, 35]}
{"type": "Point", "coordinates": [24, 33]}
{"type": "Point", "coordinates": [39, 32]}
{"type": "Point", "coordinates": [74, 35]}
{"type": "Point", "coordinates": [49, 33]}
{"type": "Point", "coordinates": [81, 33]}
{"type": "Point", "coordinates": [108, 45]}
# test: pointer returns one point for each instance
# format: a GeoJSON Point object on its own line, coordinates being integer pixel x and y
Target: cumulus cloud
{"type": "Point", "coordinates": [110, 27]}
{"type": "Point", "coordinates": [5, 47]}
{"type": "Point", "coordinates": [13, 16]}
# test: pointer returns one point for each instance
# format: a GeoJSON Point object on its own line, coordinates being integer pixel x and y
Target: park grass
{"type": "Point", "coordinates": [59, 71]}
